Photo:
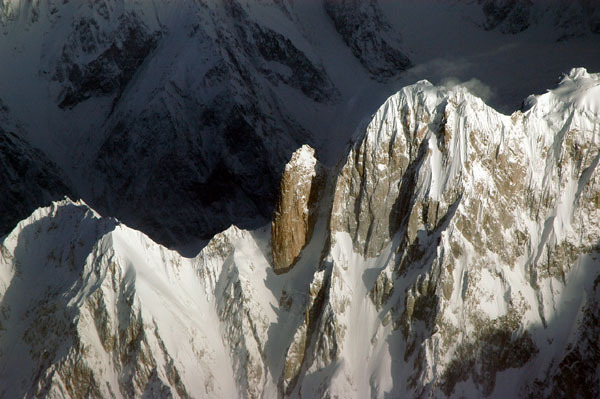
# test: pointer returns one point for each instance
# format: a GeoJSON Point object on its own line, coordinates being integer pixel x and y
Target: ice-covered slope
{"type": "Point", "coordinates": [455, 252]}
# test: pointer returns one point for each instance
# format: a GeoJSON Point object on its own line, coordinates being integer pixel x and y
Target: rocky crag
{"type": "Point", "coordinates": [295, 214]}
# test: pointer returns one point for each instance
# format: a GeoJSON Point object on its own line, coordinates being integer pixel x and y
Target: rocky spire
{"type": "Point", "coordinates": [293, 219]}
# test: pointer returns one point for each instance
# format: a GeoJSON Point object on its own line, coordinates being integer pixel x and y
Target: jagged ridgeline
{"type": "Point", "coordinates": [453, 252]}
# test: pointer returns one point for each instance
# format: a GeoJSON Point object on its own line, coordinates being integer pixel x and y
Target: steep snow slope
{"type": "Point", "coordinates": [91, 308]}
{"type": "Point", "coordinates": [455, 253]}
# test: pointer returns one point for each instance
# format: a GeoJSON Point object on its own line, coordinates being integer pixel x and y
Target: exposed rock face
{"type": "Point", "coordinates": [456, 255]}
{"type": "Point", "coordinates": [294, 216]}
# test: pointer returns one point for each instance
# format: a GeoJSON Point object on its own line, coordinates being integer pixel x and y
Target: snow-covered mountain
{"type": "Point", "coordinates": [452, 252]}
{"type": "Point", "coordinates": [178, 117]}
{"type": "Point", "coordinates": [463, 252]}
{"type": "Point", "coordinates": [91, 308]}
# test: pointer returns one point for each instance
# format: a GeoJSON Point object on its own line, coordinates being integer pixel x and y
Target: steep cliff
{"type": "Point", "coordinates": [295, 215]}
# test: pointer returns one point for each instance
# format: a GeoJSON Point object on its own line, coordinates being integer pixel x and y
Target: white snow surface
{"type": "Point", "coordinates": [65, 264]}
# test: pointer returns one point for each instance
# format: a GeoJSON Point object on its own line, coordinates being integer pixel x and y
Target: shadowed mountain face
{"type": "Point", "coordinates": [28, 179]}
{"type": "Point", "coordinates": [178, 117]}
{"type": "Point", "coordinates": [570, 18]}
{"type": "Point", "coordinates": [369, 35]}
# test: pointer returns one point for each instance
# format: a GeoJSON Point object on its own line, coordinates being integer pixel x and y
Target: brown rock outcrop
{"type": "Point", "coordinates": [293, 220]}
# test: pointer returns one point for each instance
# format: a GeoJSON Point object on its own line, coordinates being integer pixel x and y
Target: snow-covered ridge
{"type": "Point", "coordinates": [92, 308]}
{"type": "Point", "coordinates": [577, 89]}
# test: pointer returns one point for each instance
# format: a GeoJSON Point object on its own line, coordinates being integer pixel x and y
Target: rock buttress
{"type": "Point", "coordinates": [293, 218]}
